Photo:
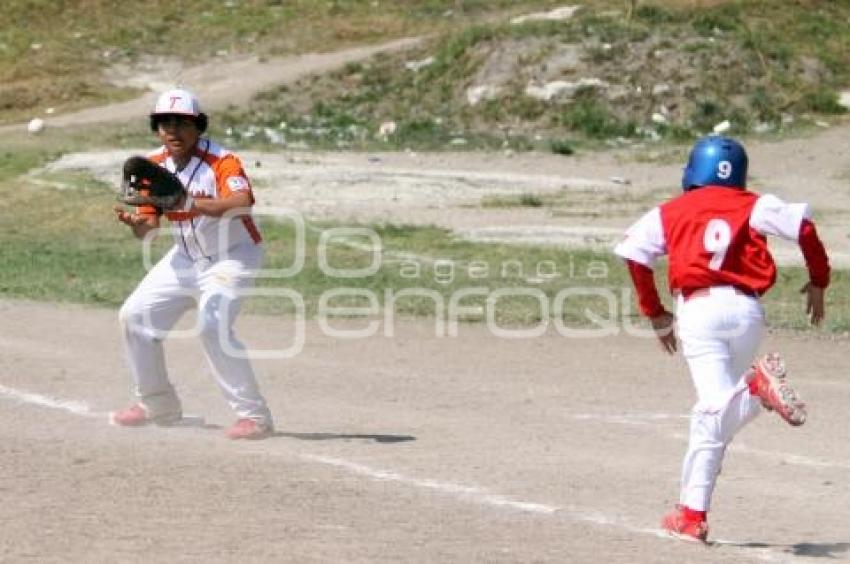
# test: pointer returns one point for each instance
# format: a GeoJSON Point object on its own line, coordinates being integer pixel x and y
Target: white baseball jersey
{"type": "Point", "coordinates": [213, 172]}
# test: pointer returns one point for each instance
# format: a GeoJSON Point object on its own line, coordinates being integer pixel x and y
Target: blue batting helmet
{"type": "Point", "coordinates": [716, 161]}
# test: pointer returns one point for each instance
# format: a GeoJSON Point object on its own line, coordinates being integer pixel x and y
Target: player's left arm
{"type": "Point", "coordinates": [772, 216]}
{"type": "Point", "coordinates": [233, 187]}
{"type": "Point", "coordinates": [817, 262]}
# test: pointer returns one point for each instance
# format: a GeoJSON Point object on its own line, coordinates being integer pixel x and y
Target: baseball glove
{"type": "Point", "coordinates": [147, 184]}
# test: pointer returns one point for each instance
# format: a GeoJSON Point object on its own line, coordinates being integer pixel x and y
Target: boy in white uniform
{"type": "Point", "coordinates": [214, 257]}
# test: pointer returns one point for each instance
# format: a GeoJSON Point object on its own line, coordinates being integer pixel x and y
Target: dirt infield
{"type": "Point", "coordinates": [405, 449]}
{"type": "Point", "coordinates": [417, 448]}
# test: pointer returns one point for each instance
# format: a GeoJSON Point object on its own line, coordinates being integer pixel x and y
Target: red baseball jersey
{"type": "Point", "coordinates": [714, 236]}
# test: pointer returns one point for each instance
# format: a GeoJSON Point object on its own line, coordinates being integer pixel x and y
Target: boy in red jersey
{"type": "Point", "coordinates": [719, 265]}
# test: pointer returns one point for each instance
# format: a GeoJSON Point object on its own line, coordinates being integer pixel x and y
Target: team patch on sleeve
{"type": "Point", "coordinates": [236, 183]}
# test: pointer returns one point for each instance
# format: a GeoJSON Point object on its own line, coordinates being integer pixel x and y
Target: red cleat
{"type": "Point", "coordinates": [768, 381]}
{"type": "Point", "coordinates": [680, 525]}
{"type": "Point", "coordinates": [250, 429]}
{"type": "Point", "coordinates": [136, 416]}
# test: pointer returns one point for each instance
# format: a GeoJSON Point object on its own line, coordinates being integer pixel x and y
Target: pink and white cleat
{"type": "Point", "coordinates": [250, 429]}
{"type": "Point", "coordinates": [137, 415]}
{"type": "Point", "coordinates": [767, 380]}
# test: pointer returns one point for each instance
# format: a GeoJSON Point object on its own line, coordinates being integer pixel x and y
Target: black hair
{"type": "Point", "coordinates": [201, 121]}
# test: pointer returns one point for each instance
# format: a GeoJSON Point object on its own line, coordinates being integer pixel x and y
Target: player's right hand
{"type": "Point", "coordinates": [664, 328]}
{"type": "Point", "coordinates": [128, 218]}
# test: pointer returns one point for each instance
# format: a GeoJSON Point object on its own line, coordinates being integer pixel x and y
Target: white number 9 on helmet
{"type": "Point", "coordinates": [724, 169]}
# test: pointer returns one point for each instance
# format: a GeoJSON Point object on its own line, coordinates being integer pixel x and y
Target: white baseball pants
{"type": "Point", "coordinates": [172, 287]}
{"type": "Point", "coordinates": [720, 333]}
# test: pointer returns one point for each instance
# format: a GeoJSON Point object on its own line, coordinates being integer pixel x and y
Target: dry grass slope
{"type": "Point", "coordinates": [664, 70]}
{"type": "Point", "coordinates": [53, 53]}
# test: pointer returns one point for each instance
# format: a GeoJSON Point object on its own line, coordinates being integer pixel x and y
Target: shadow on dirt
{"type": "Point", "coordinates": [811, 549]}
{"type": "Point", "coordinates": [346, 437]}
{"type": "Point", "coordinates": [198, 422]}
{"type": "Point", "coordinates": [820, 549]}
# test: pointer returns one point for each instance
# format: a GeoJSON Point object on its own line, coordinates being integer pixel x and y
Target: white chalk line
{"type": "Point", "coordinates": [635, 419]}
{"type": "Point", "coordinates": [480, 496]}
{"type": "Point", "coordinates": [473, 494]}
{"type": "Point", "coordinates": [75, 407]}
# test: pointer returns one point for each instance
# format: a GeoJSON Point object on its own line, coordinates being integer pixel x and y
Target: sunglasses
{"type": "Point", "coordinates": [175, 121]}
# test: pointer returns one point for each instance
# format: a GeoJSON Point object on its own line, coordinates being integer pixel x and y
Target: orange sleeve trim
{"type": "Point", "coordinates": [226, 168]}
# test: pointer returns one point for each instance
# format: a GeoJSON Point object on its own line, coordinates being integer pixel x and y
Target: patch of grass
{"type": "Point", "coordinates": [530, 200]}
{"type": "Point", "coordinates": [710, 111]}
{"type": "Point", "coordinates": [449, 59]}
{"type": "Point", "coordinates": [592, 118]}
{"type": "Point", "coordinates": [675, 132]}
{"type": "Point", "coordinates": [525, 200]}
{"type": "Point", "coordinates": [329, 126]}
{"type": "Point", "coordinates": [590, 202]}
{"type": "Point", "coordinates": [725, 18]}
{"type": "Point", "coordinates": [420, 263]}
{"type": "Point", "coordinates": [516, 107]}
{"type": "Point", "coordinates": [64, 245]}
{"type": "Point", "coordinates": [653, 15]}
{"type": "Point", "coordinates": [562, 147]}
{"type": "Point", "coordinates": [55, 247]}
{"type": "Point", "coordinates": [606, 28]}
{"type": "Point", "coordinates": [823, 100]}
{"type": "Point", "coordinates": [17, 162]}
{"type": "Point", "coordinates": [766, 105]}
{"type": "Point", "coordinates": [420, 133]}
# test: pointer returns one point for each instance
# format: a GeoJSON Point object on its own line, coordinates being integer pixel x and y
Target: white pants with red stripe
{"type": "Point", "coordinates": [720, 333]}
{"type": "Point", "coordinates": [174, 285]}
